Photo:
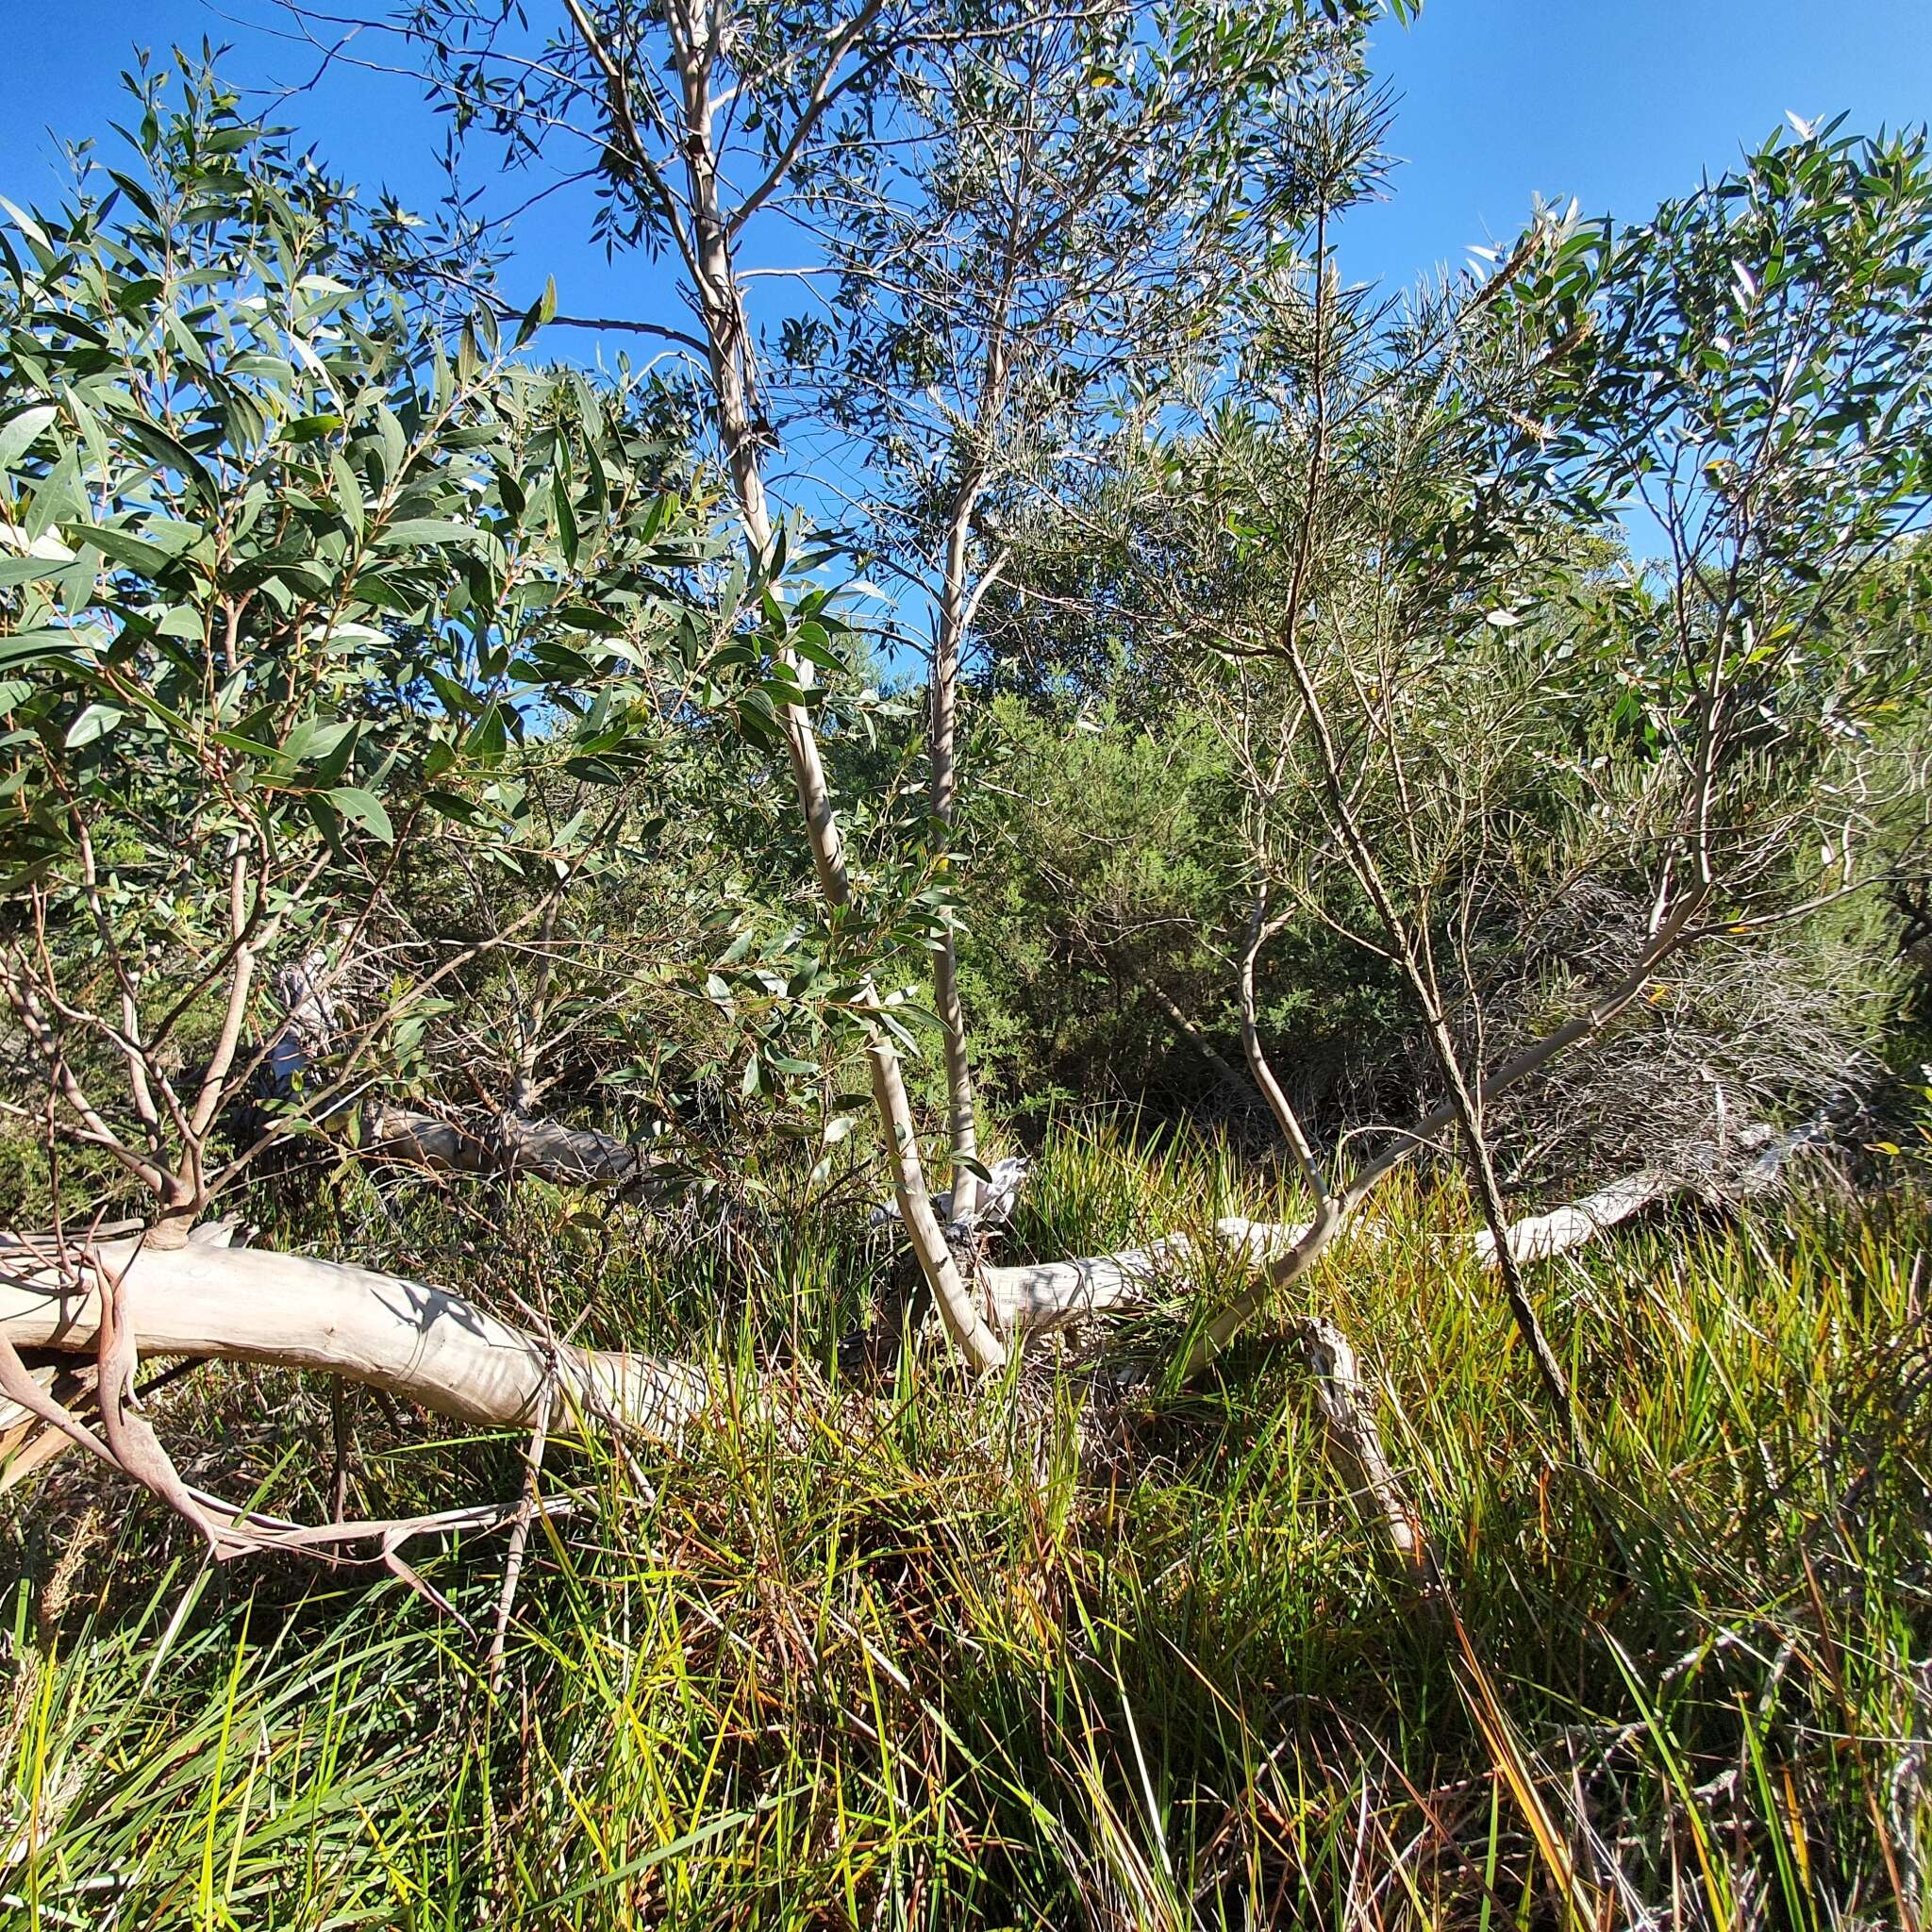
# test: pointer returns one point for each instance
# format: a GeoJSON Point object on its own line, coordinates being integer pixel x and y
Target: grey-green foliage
{"type": "Point", "coordinates": [306, 582]}
{"type": "Point", "coordinates": [1044, 239]}
{"type": "Point", "coordinates": [1419, 510]}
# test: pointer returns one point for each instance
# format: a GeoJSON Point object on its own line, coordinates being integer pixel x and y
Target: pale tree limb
{"type": "Point", "coordinates": [419, 1343]}
{"type": "Point", "coordinates": [97, 1301]}
{"type": "Point", "coordinates": [1348, 1410]}
{"type": "Point", "coordinates": [428, 1345]}
{"type": "Point", "coordinates": [1041, 1296]}
{"type": "Point", "coordinates": [207, 1299]}
{"type": "Point", "coordinates": [705, 234]}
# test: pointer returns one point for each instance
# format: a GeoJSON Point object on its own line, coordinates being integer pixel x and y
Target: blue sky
{"type": "Point", "coordinates": [1619, 102]}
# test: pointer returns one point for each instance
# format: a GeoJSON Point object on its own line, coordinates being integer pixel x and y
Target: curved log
{"type": "Point", "coordinates": [431, 1346]}
{"type": "Point", "coordinates": [1539, 1237]}
{"type": "Point", "coordinates": [1049, 1294]}
{"type": "Point", "coordinates": [206, 1299]}
{"type": "Point", "coordinates": [1038, 1296]}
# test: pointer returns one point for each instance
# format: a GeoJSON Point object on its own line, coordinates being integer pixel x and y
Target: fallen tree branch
{"type": "Point", "coordinates": [1038, 1296]}
{"type": "Point", "coordinates": [514, 1142]}
{"type": "Point", "coordinates": [1048, 1294]}
{"type": "Point", "coordinates": [515, 1145]}
{"type": "Point", "coordinates": [1348, 1408]}
{"type": "Point", "coordinates": [423, 1345]}
{"type": "Point", "coordinates": [206, 1299]}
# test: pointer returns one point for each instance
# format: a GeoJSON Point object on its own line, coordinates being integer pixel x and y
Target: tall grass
{"type": "Point", "coordinates": [904, 1653]}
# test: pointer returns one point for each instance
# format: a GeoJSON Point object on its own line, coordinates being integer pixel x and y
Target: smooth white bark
{"type": "Point", "coordinates": [1541, 1236]}
{"type": "Point", "coordinates": [1049, 1294]}
{"type": "Point", "coordinates": [421, 1343]}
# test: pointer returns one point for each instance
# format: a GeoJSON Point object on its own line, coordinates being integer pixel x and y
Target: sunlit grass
{"type": "Point", "coordinates": [902, 1654]}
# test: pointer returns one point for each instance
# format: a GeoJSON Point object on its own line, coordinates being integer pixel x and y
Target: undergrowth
{"type": "Point", "coordinates": [896, 1652]}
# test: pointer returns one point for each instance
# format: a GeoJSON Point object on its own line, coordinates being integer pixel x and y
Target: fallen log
{"type": "Point", "coordinates": [429, 1345]}
{"type": "Point", "coordinates": [208, 1299]}
{"type": "Point", "coordinates": [517, 1144]}
{"type": "Point", "coordinates": [422, 1345]}
{"type": "Point", "coordinates": [1540, 1237]}
{"type": "Point", "coordinates": [1034, 1296]}
{"type": "Point", "coordinates": [1048, 1294]}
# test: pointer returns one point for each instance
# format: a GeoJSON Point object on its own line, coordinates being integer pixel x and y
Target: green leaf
{"type": "Point", "coordinates": [314, 738]}
{"type": "Point", "coordinates": [566, 518]}
{"type": "Point", "coordinates": [25, 223]}
{"type": "Point", "coordinates": [428, 530]}
{"type": "Point", "coordinates": [19, 431]}
{"type": "Point", "coordinates": [348, 491]}
{"type": "Point", "coordinates": [120, 546]}
{"type": "Point", "coordinates": [35, 646]}
{"type": "Point", "coordinates": [172, 454]}
{"type": "Point", "coordinates": [539, 312]}
{"type": "Point", "coordinates": [488, 737]}
{"type": "Point", "coordinates": [311, 428]}
{"type": "Point", "coordinates": [182, 622]}
{"type": "Point", "coordinates": [395, 446]}
{"type": "Point", "coordinates": [96, 722]}
{"type": "Point", "coordinates": [365, 810]}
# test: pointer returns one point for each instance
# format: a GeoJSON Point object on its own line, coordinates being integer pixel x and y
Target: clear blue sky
{"type": "Point", "coordinates": [1620, 103]}
{"type": "Point", "coordinates": [1617, 101]}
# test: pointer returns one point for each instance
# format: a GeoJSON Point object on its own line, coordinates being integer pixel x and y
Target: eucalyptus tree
{"type": "Point", "coordinates": [695, 119]}
{"type": "Point", "coordinates": [298, 538]}
{"type": "Point", "coordinates": [1425, 477]}
{"type": "Point", "coordinates": [311, 592]}
{"type": "Point", "coordinates": [1047, 244]}
{"type": "Point", "coordinates": [308, 592]}
{"type": "Point", "coordinates": [1151, 149]}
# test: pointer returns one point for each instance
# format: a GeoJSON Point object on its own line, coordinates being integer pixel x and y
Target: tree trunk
{"type": "Point", "coordinates": [721, 307]}
{"type": "Point", "coordinates": [961, 1110]}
